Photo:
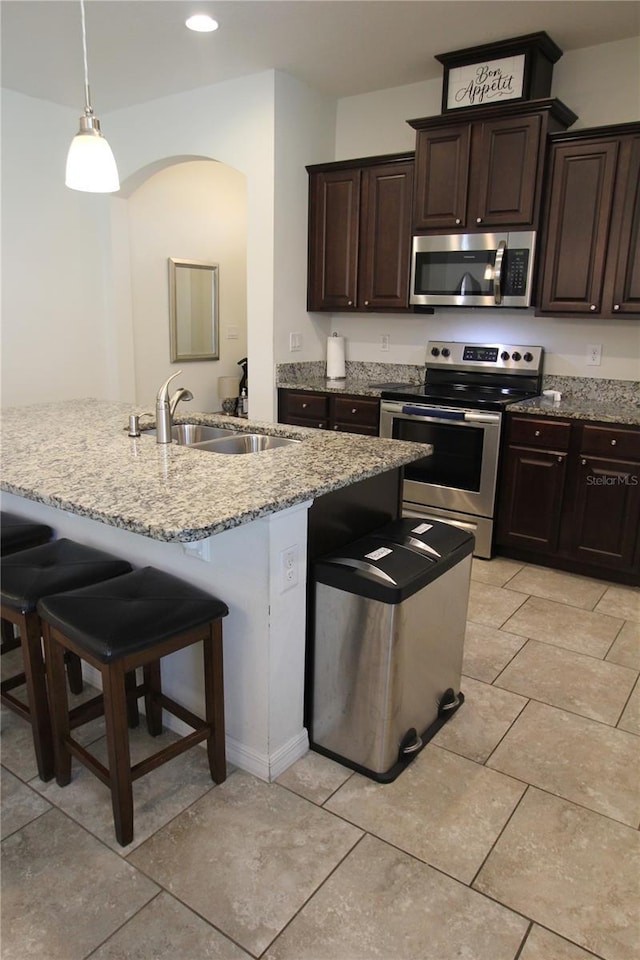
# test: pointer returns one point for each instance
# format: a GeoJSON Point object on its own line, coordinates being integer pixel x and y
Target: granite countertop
{"type": "Point", "coordinates": [76, 456]}
{"type": "Point", "coordinates": [350, 385]}
{"type": "Point", "coordinates": [581, 408]}
{"type": "Point", "coordinates": [583, 398]}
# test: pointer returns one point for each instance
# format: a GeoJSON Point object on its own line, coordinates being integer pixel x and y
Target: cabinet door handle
{"type": "Point", "coordinates": [335, 426]}
{"type": "Point", "coordinates": [613, 443]}
{"type": "Point", "coordinates": [304, 406]}
{"type": "Point", "coordinates": [559, 459]}
{"type": "Point", "coordinates": [355, 410]}
{"type": "Point", "coordinates": [478, 219]}
{"type": "Point", "coordinates": [616, 306]}
{"type": "Point", "coordinates": [350, 303]}
{"type": "Point", "coordinates": [537, 433]}
{"type": "Point", "coordinates": [366, 303]}
{"type": "Point", "coordinates": [593, 307]}
{"type": "Point", "coordinates": [583, 462]}
{"type": "Point", "coordinates": [321, 425]}
{"type": "Point", "coordinates": [458, 221]}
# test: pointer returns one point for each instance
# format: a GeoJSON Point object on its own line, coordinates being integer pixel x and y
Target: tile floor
{"type": "Point", "coordinates": [514, 834]}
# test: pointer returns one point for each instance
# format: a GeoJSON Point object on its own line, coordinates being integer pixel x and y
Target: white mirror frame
{"type": "Point", "coordinates": [193, 325]}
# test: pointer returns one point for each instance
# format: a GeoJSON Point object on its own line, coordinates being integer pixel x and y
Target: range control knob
{"type": "Point", "coordinates": [528, 357]}
{"type": "Point", "coordinates": [445, 352]}
{"type": "Point", "coordinates": [435, 352]}
{"type": "Point", "coordinates": [516, 356]}
{"type": "Point", "coordinates": [504, 355]}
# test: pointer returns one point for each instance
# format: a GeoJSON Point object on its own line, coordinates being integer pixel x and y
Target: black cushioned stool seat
{"type": "Point", "coordinates": [128, 622]}
{"type": "Point", "coordinates": [26, 577]}
{"type": "Point", "coordinates": [17, 533]}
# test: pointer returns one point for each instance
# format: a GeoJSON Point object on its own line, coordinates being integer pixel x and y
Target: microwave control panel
{"type": "Point", "coordinates": [515, 271]}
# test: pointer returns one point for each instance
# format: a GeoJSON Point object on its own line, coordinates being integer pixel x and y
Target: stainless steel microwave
{"type": "Point", "coordinates": [473, 270]}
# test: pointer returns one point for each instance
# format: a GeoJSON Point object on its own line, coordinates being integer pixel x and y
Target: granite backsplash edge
{"type": "Point", "coordinates": [579, 388]}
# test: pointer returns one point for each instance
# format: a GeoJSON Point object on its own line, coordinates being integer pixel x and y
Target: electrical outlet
{"type": "Point", "coordinates": [385, 339]}
{"type": "Point", "coordinates": [594, 354]}
{"type": "Point", "coordinates": [295, 342]}
{"type": "Point", "coordinates": [232, 333]}
{"type": "Point", "coordinates": [288, 568]}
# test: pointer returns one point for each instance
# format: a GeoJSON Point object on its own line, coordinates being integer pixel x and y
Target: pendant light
{"type": "Point", "coordinates": [91, 165]}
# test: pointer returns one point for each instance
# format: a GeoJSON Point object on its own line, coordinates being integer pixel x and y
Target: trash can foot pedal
{"type": "Point", "coordinates": [449, 702]}
{"type": "Point", "coordinates": [411, 742]}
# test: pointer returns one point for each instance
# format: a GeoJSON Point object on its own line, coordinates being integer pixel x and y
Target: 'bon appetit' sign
{"type": "Point", "coordinates": [486, 82]}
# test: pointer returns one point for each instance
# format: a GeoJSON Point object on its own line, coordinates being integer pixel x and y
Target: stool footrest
{"type": "Point", "coordinates": [22, 709]}
{"type": "Point", "coordinates": [168, 753]}
{"type": "Point", "coordinates": [88, 760]}
{"type": "Point", "coordinates": [84, 712]}
{"type": "Point", "coordinates": [180, 712]}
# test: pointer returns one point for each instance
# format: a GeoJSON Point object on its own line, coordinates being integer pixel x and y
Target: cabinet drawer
{"type": "Point", "coordinates": [543, 432]}
{"type": "Point", "coordinates": [312, 406]}
{"type": "Point", "coordinates": [358, 411]}
{"type": "Point", "coordinates": [610, 441]}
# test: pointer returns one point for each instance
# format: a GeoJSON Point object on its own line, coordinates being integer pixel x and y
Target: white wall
{"type": "Point", "coordinates": [304, 134]}
{"type": "Point", "coordinates": [54, 341]}
{"type": "Point", "coordinates": [190, 211]}
{"type": "Point", "coordinates": [602, 85]}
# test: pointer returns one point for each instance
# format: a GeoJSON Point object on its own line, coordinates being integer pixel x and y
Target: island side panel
{"type": "Point", "coordinates": [264, 634]}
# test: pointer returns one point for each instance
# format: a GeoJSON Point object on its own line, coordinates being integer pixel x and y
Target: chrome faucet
{"type": "Point", "coordinates": [166, 407]}
{"type": "Point", "coordinates": [180, 394]}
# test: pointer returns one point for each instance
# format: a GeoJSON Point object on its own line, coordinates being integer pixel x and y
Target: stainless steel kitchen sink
{"type": "Point", "coordinates": [222, 439]}
{"type": "Point", "coordinates": [245, 443]}
{"type": "Point", "coordinates": [188, 434]}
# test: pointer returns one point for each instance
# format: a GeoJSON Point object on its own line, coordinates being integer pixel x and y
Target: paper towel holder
{"type": "Point", "coordinates": [336, 370]}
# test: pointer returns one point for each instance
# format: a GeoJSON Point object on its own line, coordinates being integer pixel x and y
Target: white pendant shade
{"type": "Point", "coordinates": [91, 165]}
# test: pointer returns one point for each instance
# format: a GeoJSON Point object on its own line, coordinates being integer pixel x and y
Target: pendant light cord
{"type": "Point", "coordinates": [87, 95]}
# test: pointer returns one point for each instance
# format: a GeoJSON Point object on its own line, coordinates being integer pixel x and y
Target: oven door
{"type": "Point", "coordinates": [461, 474]}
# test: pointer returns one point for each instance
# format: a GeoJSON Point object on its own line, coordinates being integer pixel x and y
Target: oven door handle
{"type": "Point", "coordinates": [472, 417]}
{"type": "Point", "coordinates": [427, 413]}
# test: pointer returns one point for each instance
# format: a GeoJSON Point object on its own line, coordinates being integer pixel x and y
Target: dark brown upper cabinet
{"type": "Point", "coordinates": [360, 234]}
{"type": "Point", "coordinates": [591, 245]}
{"type": "Point", "coordinates": [482, 168]}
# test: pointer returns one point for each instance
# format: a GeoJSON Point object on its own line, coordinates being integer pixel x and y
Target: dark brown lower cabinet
{"type": "Point", "coordinates": [347, 413]}
{"type": "Point", "coordinates": [606, 512]}
{"type": "Point", "coordinates": [570, 496]}
{"type": "Point", "coordinates": [533, 490]}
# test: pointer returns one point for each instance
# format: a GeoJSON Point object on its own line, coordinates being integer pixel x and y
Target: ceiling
{"type": "Point", "coordinates": [139, 50]}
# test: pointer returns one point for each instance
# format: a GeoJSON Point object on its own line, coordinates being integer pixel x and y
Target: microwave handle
{"type": "Point", "coordinates": [497, 273]}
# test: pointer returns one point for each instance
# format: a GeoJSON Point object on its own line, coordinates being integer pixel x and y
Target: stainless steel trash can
{"type": "Point", "coordinates": [390, 616]}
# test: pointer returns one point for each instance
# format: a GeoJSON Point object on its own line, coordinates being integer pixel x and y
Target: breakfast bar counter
{"type": "Point", "coordinates": [222, 522]}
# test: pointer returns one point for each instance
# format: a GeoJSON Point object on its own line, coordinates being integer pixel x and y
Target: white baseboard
{"type": "Point", "coordinates": [264, 766]}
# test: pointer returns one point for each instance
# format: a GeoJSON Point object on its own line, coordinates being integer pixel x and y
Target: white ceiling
{"type": "Point", "coordinates": [139, 50]}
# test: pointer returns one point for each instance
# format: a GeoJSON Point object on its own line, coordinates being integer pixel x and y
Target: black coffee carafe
{"type": "Point", "coordinates": [244, 382]}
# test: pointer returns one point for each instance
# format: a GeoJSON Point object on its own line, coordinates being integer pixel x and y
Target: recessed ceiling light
{"type": "Point", "coordinates": [202, 23]}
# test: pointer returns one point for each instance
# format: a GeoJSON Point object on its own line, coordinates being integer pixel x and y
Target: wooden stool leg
{"type": "Point", "coordinates": [133, 713]}
{"type": "Point", "coordinates": [214, 702]}
{"type": "Point", "coordinates": [115, 713]}
{"type": "Point", "coordinates": [74, 671]}
{"type": "Point", "coordinates": [37, 694]}
{"type": "Point", "coordinates": [152, 705]}
{"type": "Point", "coordinates": [59, 703]}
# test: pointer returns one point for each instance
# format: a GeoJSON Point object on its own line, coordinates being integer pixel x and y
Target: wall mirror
{"type": "Point", "coordinates": [193, 310]}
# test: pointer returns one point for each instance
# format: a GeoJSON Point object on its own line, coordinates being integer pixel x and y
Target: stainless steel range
{"type": "Point", "coordinates": [459, 410]}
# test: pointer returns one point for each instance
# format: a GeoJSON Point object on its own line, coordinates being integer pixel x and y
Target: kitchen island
{"type": "Point", "coordinates": [222, 522]}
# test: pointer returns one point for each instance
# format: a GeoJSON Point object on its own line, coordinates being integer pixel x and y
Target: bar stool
{"type": "Point", "coordinates": [27, 576]}
{"type": "Point", "coordinates": [17, 533]}
{"type": "Point", "coordinates": [116, 626]}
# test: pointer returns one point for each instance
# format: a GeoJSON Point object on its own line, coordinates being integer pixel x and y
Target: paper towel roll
{"type": "Point", "coordinates": [335, 358]}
